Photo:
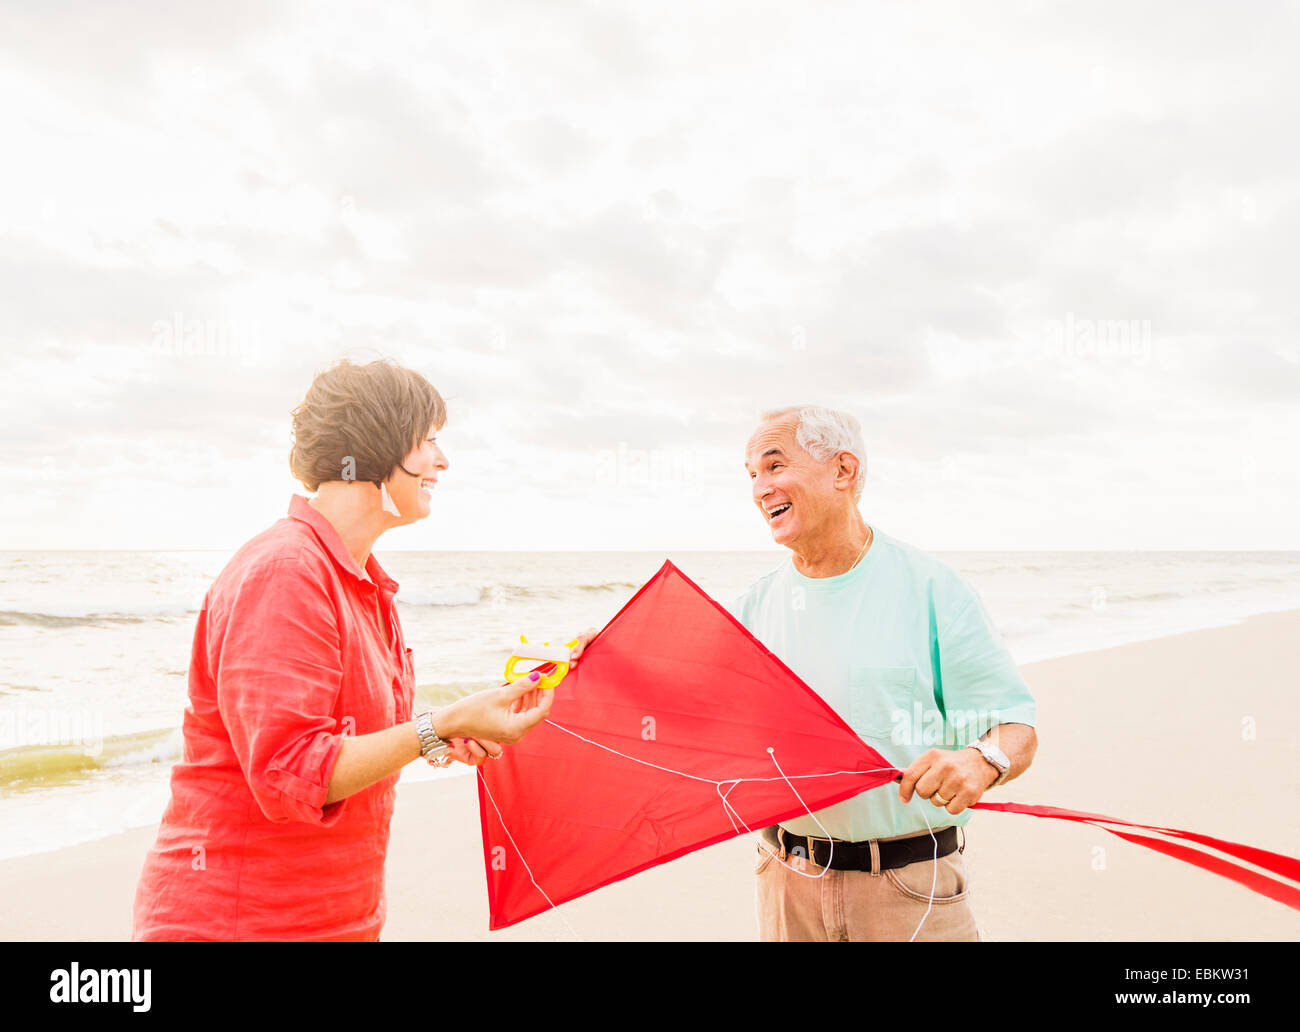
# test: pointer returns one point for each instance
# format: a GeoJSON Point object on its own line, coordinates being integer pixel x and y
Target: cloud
{"type": "Point", "coordinates": [1038, 255]}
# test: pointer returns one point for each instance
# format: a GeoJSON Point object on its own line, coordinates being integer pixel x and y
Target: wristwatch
{"type": "Point", "coordinates": [996, 757]}
{"type": "Point", "coordinates": [432, 748]}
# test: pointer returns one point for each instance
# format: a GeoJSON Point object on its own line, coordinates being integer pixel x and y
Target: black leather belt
{"type": "Point", "coordinates": [856, 856]}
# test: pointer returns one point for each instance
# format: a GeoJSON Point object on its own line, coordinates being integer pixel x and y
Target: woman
{"type": "Point", "coordinates": [301, 689]}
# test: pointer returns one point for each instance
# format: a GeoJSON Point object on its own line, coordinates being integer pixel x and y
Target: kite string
{"type": "Point", "coordinates": [644, 763]}
{"type": "Point", "coordinates": [709, 781]}
{"type": "Point", "coordinates": [934, 877]}
{"type": "Point", "coordinates": [733, 815]}
{"type": "Point", "coordinates": [520, 854]}
{"type": "Point", "coordinates": [807, 809]}
{"type": "Point", "coordinates": [728, 809]}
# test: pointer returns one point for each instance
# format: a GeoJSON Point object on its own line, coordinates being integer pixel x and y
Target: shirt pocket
{"type": "Point", "coordinates": [880, 699]}
{"type": "Point", "coordinates": [369, 696]}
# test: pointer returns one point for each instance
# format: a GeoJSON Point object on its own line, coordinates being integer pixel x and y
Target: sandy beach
{"type": "Point", "coordinates": [1190, 731]}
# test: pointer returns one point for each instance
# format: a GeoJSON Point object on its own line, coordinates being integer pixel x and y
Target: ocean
{"type": "Point", "coordinates": [94, 646]}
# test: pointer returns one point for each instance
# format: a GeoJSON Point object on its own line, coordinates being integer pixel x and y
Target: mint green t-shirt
{"type": "Point", "coordinates": [902, 648]}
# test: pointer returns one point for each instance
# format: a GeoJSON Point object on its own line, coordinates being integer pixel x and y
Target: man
{"type": "Point", "coordinates": [903, 650]}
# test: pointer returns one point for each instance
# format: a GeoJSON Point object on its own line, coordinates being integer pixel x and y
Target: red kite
{"type": "Point", "coordinates": [679, 729]}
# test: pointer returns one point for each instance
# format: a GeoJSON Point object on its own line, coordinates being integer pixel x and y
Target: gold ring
{"type": "Point", "coordinates": [942, 800]}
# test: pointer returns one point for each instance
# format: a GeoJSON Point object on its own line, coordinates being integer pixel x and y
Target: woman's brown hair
{"type": "Point", "coordinates": [358, 422]}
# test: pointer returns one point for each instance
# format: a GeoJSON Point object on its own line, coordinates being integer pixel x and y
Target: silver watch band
{"type": "Point", "coordinates": [432, 748]}
{"type": "Point", "coordinates": [996, 759]}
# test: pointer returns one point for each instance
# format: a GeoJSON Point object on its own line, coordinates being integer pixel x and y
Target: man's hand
{"type": "Point", "coordinates": [584, 639]}
{"type": "Point", "coordinates": [951, 779]}
{"type": "Point", "coordinates": [955, 779]}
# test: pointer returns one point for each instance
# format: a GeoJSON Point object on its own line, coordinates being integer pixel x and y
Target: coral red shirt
{"type": "Point", "coordinates": [288, 660]}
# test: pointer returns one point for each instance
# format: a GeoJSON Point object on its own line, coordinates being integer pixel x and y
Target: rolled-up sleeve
{"type": "Point", "coordinates": [981, 686]}
{"type": "Point", "coordinates": [276, 660]}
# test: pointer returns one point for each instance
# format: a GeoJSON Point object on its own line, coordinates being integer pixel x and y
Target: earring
{"type": "Point", "coordinates": [387, 500]}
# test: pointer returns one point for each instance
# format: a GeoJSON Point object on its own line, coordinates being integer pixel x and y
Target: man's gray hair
{"type": "Point", "coordinates": [825, 432]}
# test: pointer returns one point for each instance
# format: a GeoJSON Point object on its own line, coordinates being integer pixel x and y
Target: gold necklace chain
{"type": "Point", "coordinates": [865, 545]}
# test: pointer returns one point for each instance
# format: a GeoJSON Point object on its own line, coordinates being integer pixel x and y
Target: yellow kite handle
{"type": "Point", "coordinates": [532, 653]}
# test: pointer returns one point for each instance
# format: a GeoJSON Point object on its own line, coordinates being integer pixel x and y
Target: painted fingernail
{"type": "Point", "coordinates": [534, 676]}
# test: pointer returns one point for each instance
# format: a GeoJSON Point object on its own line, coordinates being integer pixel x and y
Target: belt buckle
{"type": "Point", "coordinates": [812, 848]}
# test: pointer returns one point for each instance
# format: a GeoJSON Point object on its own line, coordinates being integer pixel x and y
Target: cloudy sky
{"type": "Point", "coordinates": [1046, 255]}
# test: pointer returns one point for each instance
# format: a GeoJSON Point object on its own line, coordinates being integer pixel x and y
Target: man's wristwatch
{"type": "Point", "coordinates": [996, 757]}
{"type": "Point", "coordinates": [432, 748]}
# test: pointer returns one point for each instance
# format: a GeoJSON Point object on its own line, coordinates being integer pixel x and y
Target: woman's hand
{"type": "Point", "coordinates": [475, 727]}
{"type": "Point", "coordinates": [474, 751]}
{"type": "Point", "coordinates": [492, 716]}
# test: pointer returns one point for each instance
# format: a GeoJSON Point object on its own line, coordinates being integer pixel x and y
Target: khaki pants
{"type": "Point", "coordinates": [862, 906]}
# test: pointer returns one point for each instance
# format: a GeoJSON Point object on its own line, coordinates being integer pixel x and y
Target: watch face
{"type": "Point", "coordinates": [995, 755]}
